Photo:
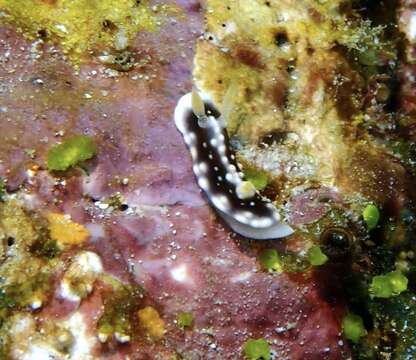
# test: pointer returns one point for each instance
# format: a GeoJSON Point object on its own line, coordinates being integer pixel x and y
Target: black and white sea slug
{"type": "Point", "coordinates": [218, 174]}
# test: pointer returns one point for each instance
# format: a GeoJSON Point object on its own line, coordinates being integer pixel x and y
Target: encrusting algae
{"type": "Point", "coordinates": [151, 322]}
{"type": "Point", "coordinates": [82, 27]}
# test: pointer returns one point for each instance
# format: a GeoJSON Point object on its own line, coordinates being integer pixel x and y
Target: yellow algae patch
{"type": "Point", "coordinates": [150, 321]}
{"type": "Point", "coordinates": [82, 26]}
{"type": "Point", "coordinates": [64, 231]}
{"type": "Point", "coordinates": [250, 45]}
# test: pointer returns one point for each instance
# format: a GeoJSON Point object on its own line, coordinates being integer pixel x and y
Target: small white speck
{"type": "Point", "coordinates": [122, 338]}
{"type": "Point", "coordinates": [36, 304]}
{"type": "Point", "coordinates": [203, 167]}
{"type": "Point", "coordinates": [102, 337]}
{"type": "Point", "coordinates": [412, 27]}
{"type": "Point", "coordinates": [280, 329]}
{"type": "Point", "coordinates": [62, 28]}
{"type": "Point", "coordinates": [203, 183]}
{"type": "Point", "coordinates": [38, 81]}
{"type": "Point", "coordinates": [121, 40]}
{"type": "Point", "coordinates": [214, 142]}
{"type": "Point", "coordinates": [101, 205]}
{"type": "Point", "coordinates": [180, 273]}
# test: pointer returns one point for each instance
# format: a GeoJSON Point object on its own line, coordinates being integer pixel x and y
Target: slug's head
{"type": "Point", "coordinates": [218, 174]}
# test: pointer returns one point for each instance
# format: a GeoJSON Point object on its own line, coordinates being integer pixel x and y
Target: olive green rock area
{"type": "Point", "coordinates": [83, 27]}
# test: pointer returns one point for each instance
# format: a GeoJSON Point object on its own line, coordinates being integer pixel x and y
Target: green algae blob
{"type": "Point", "coordinates": [256, 349]}
{"type": "Point", "coordinates": [72, 151]}
{"type": "Point", "coordinates": [391, 284]}
{"type": "Point", "coordinates": [316, 256]}
{"type": "Point", "coordinates": [353, 327]}
{"type": "Point", "coordinates": [184, 319]}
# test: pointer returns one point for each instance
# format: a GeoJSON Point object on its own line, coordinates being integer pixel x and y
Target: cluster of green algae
{"type": "Point", "coordinates": [120, 307]}
{"type": "Point", "coordinates": [384, 294]}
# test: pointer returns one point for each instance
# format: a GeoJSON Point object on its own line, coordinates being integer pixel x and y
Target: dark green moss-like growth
{"type": "Point", "coordinates": [2, 189]}
{"type": "Point", "coordinates": [119, 315]}
{"type": "Point", "coordinates": [27, 257]}
{"type": "Point", "coordinates": [396, 318]}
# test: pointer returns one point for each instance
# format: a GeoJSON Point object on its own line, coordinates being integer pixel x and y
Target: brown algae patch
{"type": "Point", "coordinates": [83, 27]}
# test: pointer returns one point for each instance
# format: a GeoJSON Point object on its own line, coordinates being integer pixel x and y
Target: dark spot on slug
{"type": "Point", "coordinates": [212, 110]}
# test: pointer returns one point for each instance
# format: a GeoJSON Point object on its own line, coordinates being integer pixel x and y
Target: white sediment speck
{"type": "Point", "coordinates": [180, 273]}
